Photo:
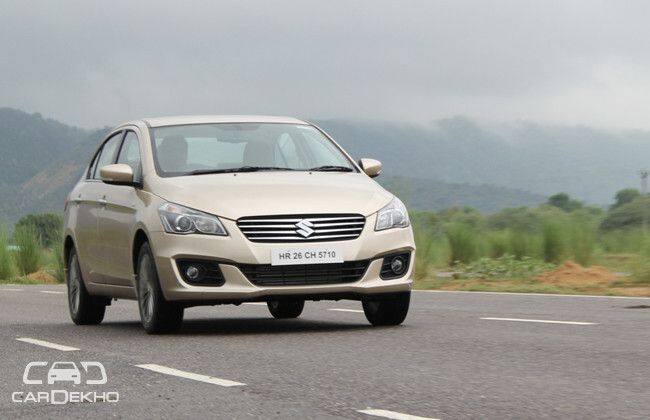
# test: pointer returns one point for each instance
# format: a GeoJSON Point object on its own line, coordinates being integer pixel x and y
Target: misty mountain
{"type": "Point", "coordinates": [587, 163]}
{"type": "Point", "coordinates": [452, 162]}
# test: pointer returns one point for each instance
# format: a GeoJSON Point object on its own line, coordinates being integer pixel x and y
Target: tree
{"type": "Point", "coordinates": [632, 214]}
{"type": "Point", "coordinates": [47, 226]}
{"type": "Point", "coordinates": [564, 202]}
{"type": "Point", "coordinates": [626, 196]}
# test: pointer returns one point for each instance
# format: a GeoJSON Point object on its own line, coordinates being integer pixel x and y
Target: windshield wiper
{"type": "Point", "coordinates": [240, 169]}
{"type": "Point", "coordinates": [332, 168]}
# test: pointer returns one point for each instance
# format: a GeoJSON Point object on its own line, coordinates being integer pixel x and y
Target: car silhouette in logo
{"type": "Point", "coordinates": [64, 372]}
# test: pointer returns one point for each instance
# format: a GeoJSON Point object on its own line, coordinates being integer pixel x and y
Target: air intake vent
{"type": "Point", "coordinates": [302, 275]}
{"type": "Point", "coordinates": [302, 228]}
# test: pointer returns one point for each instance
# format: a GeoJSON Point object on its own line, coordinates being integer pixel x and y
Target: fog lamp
{"type": "Point", "coordinates": [397, 265]}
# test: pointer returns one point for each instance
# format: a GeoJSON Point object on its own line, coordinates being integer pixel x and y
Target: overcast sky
{"type": "Point", "coordinates": [94, 63]}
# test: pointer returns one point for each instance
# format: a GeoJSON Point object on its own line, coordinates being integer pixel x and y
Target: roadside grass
{"type": "Point", "coordinates": [6, 259]}
{"type": "Point", "coordinates": [28, 256]}
{"type": "Point", "coordinates": [531, 286]}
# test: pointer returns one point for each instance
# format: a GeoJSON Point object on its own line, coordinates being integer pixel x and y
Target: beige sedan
{"type": "Point", "coordinates": [185, 211]}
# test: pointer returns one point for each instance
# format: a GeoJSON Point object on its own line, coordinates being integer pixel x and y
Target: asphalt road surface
{"type": "Point", "coordinates": [458, 355]}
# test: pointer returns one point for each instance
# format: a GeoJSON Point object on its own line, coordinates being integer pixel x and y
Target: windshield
{"type": "Point", "coordinates": [244, 147]}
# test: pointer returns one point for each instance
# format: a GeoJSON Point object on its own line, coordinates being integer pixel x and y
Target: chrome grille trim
{"type": "Point", "coordinates": [284, 228]}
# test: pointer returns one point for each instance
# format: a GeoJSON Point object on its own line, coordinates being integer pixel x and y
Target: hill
{"type": "Point", "coordinates": [587, 163]}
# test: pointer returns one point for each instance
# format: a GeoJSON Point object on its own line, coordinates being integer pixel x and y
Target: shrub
{"type": "Point", "coordinates": [463, 243]}
{"type": "Point", "coordinates": [498, 243]}
{"type": "Point", "coordinates": [506, 267]}
{"type": "Point", "coordinates": [582, 239]}
{"type": "Point", "coordinates": [28, 254]}
{"type": "Point", "coordinates": [522, 244]}
{"type": "Point", "coordinates": [6, 260]}
{"type": "Point", "coordinates": [47, 226]}
{"type": "Point", "coordinates": [642, 269]}
{"type": "Point", "coordinates": [633, 214]}
{"type": "Point", "coordinates": [552, 242]}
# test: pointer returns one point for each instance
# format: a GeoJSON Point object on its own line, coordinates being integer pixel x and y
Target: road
{"type": "Point", "coordinates": [458, 355]}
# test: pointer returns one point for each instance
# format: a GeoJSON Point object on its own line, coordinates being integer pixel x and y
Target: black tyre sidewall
{"type": "Point", "coordinates": [90, 310]}
{"type": "Point", "coordinates": [166, 316]}
{"type": "Point", "coordinates": [286, 308]}
{"type": "Point", "coordinates": [387, 311]}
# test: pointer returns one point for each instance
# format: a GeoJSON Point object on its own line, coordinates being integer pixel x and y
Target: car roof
{"type": "Point", "coordinates": [214, 119]}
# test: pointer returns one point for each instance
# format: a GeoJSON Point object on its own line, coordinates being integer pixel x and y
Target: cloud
{"type": "Point", "coordinates": [95, 63]}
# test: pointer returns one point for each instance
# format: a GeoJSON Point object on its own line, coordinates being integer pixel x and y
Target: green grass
{"type": "Point", "coordinates": [28, 256]}
{"type": "Point", "coordinates": [6, 259]}
{"type": "Point", "coordinates": [464, 245]}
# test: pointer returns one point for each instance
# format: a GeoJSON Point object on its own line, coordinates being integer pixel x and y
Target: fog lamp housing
{"type": "Point", "coordinates": [200, 272]}
{"type": "Point", "coordinates": [395, 265]}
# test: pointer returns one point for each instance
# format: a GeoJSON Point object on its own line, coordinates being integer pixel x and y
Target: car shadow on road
{"type": "Point", "coordinates": [241, 326]}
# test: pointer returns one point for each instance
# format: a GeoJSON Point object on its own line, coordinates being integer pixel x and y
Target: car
{"type": "Point", "coordinates": [177, 212]}
{"type": "Point", "coordinates": [64, 372]}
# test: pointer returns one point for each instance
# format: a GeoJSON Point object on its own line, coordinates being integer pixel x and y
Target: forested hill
{"type": "Point", "coordinates": [588, 163]}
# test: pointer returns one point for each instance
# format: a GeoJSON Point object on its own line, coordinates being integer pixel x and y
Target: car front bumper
{"type": "Point", "coordinates": [236, 249]}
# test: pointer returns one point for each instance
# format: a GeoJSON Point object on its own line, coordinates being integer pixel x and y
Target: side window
{"type": "Point", "coordinates": [130, 153]}
{"type": "Point", "coordinates": [93, 166]}
{"type": "Point", "coordinates": [107, 155]}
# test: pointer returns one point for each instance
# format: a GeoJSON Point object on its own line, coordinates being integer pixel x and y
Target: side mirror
{"type": "Point", "coordinates": [117, 174]}
{"type": "Point", "coordinates": [371, 167]}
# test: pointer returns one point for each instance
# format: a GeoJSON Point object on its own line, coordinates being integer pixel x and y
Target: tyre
{"type": "Point", "coordinates": [286, 308]}
{"type": "Point", "coordinates": [387, 310]}
{"type": "Point", "coordinates": [156, 313]}
{"type": "Point", "coordinates": [84, 309]}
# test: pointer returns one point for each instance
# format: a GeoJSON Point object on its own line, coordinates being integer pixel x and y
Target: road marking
{"type": "Point", "coordinates": [189, 375]}
{"type": "Point", "coordinates": [52, 292]}
{"type": "Point", "coordinates": [544, 321]}
{"type": "Point", "coordinates": [532, 294]}
{"type": "Point", "coordinates": [392, 414]}
{"type": "Point", "coordinates": [10, 290]}
{"type": "Point", "coordinates": [255, 303]}
{"type": "Point", "coordinates": [46, 344]}
{"type": "Point", "coordinates": [346, 310]}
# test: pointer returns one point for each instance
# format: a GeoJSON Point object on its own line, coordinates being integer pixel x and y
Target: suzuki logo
{"type": "Point", "coordinates": [305, 228]}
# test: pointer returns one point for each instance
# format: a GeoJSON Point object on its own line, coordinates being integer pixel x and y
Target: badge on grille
{"type": "Point", "coordinates": [305, 228]}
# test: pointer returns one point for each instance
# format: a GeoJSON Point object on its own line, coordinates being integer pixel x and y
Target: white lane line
{"type": "Point", "coordinates": [10, 290]}
{"type": "Point", "coordinates": [255, 303]}
{"type": "Point", "coordinates": [189, 375]}
{"type": "Point", "coordinates": [543, 321]}
{"type": "Point", "coordinates": [52, 292]}
{"type": "Point", "coordinates": [392, 414]}
{"type": "Point", "coordinates": [46, 344]}
{"type": "Point", "coordinates": [532, 294]}
{"type": "Point", "coordinates": [346, 310]}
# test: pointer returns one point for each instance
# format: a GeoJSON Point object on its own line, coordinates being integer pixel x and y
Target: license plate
{"type": "Point", "coordinates": [319, 255]}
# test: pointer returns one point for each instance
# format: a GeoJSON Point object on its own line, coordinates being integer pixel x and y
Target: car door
{"type": "Point", "coordinates": [88, 201]}
{"type": "Point", "coordinates": [108, 155]}
{"type": "Point", "coordinates": [118, 218]}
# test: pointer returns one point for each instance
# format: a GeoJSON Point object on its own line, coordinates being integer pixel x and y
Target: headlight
{"type": "Point", "coordinates": [394, 215]}
{"type": "Point", "coordinates": [181, 220]}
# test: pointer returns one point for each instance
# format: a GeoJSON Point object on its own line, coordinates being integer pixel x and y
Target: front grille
{"type": "Point", "coordinates": [302, 228]}
{"type": "Point", "coordinates": [303, 275]}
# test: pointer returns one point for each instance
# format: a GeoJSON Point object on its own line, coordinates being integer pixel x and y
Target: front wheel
{"type": "Point", "coordinates": [156, 313]}
{"type": "Point", "coordinates": [84, 309]}
{"type": "Point", "coordinates": [286, 308]}
{"type": "Point", "coordinates": [387, 310]}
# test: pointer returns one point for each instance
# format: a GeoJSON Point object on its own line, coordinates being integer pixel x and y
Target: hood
{"type": "Point", "coordinates": [273, 193]}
